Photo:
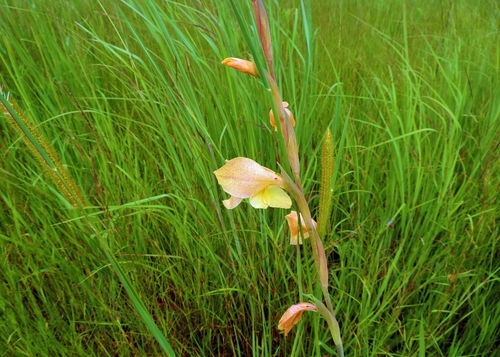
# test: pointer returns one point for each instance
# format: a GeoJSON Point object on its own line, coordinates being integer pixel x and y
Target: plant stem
{"type": "Point", "coordinates": [319, 256]}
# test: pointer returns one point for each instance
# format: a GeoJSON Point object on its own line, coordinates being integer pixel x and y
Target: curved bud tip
{"type": "Point", "coordinates": [241, 65]}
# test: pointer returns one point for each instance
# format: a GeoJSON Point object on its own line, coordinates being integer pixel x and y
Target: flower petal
{"type": "Point", "coordinates": [293, 315]}
{"type": "Point", "coordinates": [271, 196]}
{"type": "Point", "coordinates": [258, 201]}
{"type": "Point", "coordinates": [277, 197]}
{"type": "Point", "coordinates": [244, 178]}
{"type": "Point", "coordinates": [293, 225]}
{"type": "Point", "coordinates": [292, 119]}
{"type": "Point", "coordinates": [232, 202]}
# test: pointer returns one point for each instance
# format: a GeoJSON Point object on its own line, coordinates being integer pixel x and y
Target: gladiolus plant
{"type": "Point", "coordinates": [243, 178]}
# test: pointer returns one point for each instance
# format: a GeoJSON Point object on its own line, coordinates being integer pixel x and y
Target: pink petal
{"type": "Point", "coordinates": [244, 178]}
{"type": "Point", "coordinates": [293, 315]}
{"type": "Point", "coordinates": [293, 225]}
{"type": "Point", "coordinates": [232, 202]}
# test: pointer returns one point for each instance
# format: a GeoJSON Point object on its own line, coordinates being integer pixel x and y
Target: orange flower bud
{"type": "Point", "coordinates": [293, 224]}
{"type": "Point", "coordinates": [273, 121]}
{"type": "Point", "coordinates": [241, 65]}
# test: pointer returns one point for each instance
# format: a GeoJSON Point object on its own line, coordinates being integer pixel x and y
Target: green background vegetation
{"type": "Point", "coordinates": [133, 98]}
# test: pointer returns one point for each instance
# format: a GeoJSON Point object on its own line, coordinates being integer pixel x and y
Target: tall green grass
{"type": "Point", "coordinates": [133, 99]}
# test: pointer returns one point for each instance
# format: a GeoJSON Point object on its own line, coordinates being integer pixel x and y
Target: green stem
{"type": "Point", "coordinates": [333, 325]}
{"type": "Point", "coordinates": [319, 257]}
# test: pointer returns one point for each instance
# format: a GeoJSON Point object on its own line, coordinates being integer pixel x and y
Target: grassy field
{"type": "Point", "coordinates": [132, 97]}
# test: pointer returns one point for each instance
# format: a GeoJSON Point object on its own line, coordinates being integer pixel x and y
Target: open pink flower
{"type": "Point", "coordinates": [293, 224]}
{"type": "Point", "coordinates": [292, 316]}
{"type": "Point", "coordinates": [244, 178]}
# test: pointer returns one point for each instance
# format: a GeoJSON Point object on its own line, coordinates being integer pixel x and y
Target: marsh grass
{"type": "Point", "coordinates": [136, 104]}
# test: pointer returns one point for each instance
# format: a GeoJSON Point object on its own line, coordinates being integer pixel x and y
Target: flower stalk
{"type": "Point", "coordinates": [287, 132]}
{"type": "Point", "coordinates": [243, 178]}
{"type": "Point", "coordinates": [319, 257]}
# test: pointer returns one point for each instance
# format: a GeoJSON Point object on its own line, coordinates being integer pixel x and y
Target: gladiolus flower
{"type": "Point", "coordinates": [244, 178]}
{"type": "Point", "coordinates": [273, 121]}
{"type": "Point", "coordinates": [293, 315]}
{"type": "Point", "coordinates": [241, 65]}
{"type": "Point", "coordinates": [293, 224]}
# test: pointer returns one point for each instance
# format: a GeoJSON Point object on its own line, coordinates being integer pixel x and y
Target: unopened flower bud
{"type": "Point", "coordinates": [241, 65]}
